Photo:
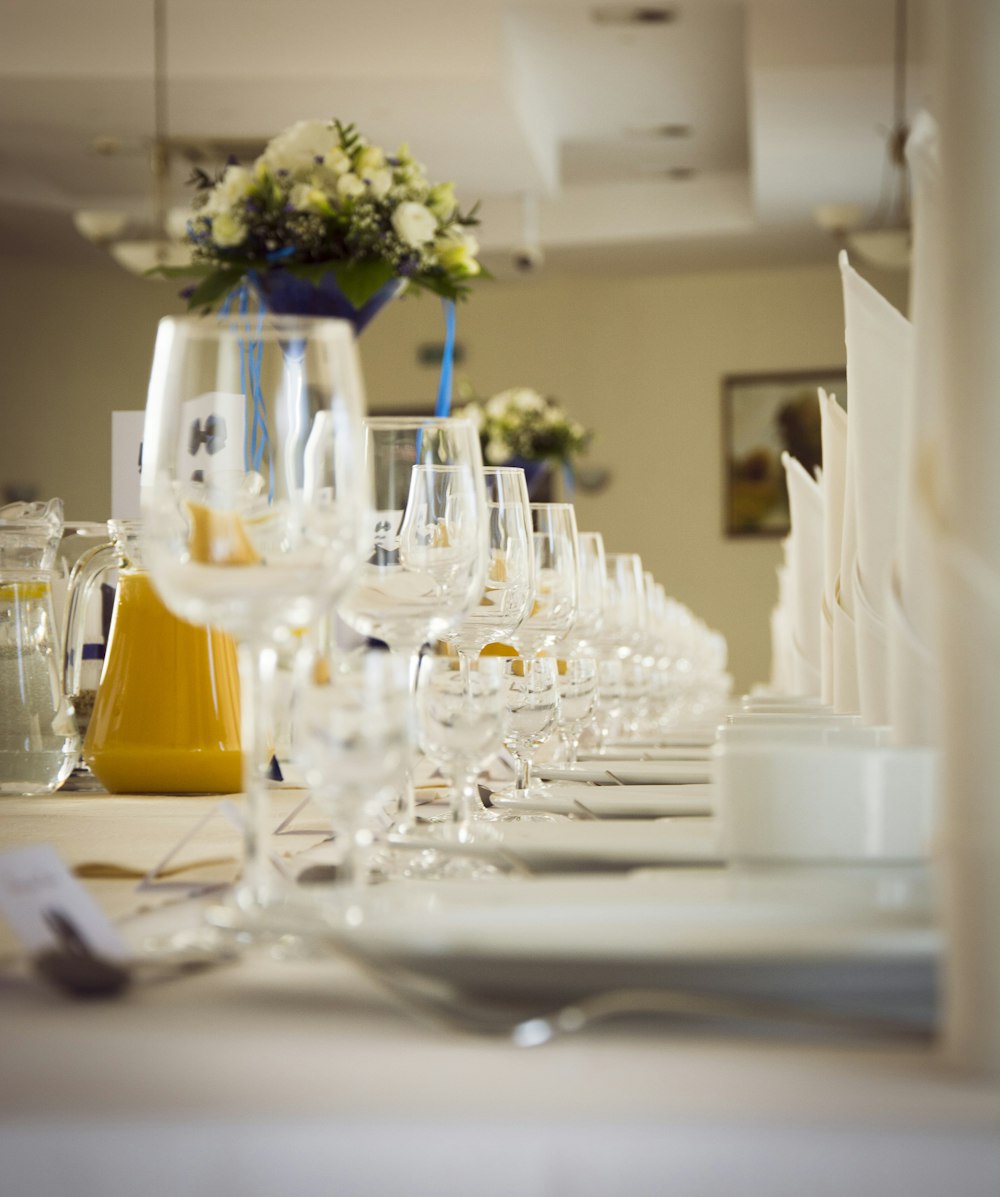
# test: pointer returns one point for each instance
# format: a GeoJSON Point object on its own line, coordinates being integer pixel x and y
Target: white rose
{"type": "Point", "coordinates": [496, 406]}
{"type": "Point", "coordinates": [496, 451]}
{"type": "Point", "coordinates": [227, 230]}
{"type": "Point", "coordinates": [350, 186]}
{"type": "Point", "coordinates": [235, 184]}
{"type": "Point", "coordinates": [414, 224]}
{"type": "Point", "coordinates": [379, 181]}
{"type": "Point", "coordinates": [297, 148]}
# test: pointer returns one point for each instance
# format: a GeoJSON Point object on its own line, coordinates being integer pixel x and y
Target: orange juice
{"type": "Point", "coordinates": [167, 714]}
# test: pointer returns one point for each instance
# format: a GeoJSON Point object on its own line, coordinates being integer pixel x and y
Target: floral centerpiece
{"type": "Point", "coordinates": [325, 223]}
{"type": "Point", "coordinates": [526, 428]}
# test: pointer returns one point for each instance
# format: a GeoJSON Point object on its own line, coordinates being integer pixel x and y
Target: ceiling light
{"type": "Point", "coordinates": [140, 246]}
{"type": "Point", "coordinates": [884, 240]}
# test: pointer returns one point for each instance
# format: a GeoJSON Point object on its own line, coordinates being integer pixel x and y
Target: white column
{"type": "Point", "coordinates": [965, 497]}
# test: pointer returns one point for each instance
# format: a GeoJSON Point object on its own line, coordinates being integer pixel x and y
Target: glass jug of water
{"type": "Point", "coordinates": [38, 737]}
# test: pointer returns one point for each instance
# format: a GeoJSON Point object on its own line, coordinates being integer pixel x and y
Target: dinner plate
{"type": "Point", "coordinates": [632, 753]}
{"type": "Point", "coordinates": [629, 772]}
{"type": "Point", "coordinates": [610, 845]}
{"type": "Point", "coordinates": [860, 946]}
{"type": "Point", "coordinates": [615, 802]}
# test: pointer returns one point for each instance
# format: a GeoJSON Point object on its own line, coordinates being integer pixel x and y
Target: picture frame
{"type": "Point", "coordinates": [762, 415]}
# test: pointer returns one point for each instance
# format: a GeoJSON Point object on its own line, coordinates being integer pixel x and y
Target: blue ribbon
{"type": "Point", "coordinates": [443, 406]}
{"type": "Point", "coordinates": [257, 440]}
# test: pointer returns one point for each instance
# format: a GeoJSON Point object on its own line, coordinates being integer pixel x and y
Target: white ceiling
{"type": "Point", "coordinates": [783, 105]}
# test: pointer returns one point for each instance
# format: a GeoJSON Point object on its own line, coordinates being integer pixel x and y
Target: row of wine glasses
{"type": "Point", "coordinates": [270, 500]}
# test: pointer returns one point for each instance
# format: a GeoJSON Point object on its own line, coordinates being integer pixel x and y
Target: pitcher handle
{"type": "Point", "coordinates": [85, 573]}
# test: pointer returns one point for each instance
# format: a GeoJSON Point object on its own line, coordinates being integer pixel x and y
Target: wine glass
{"type": "Point", "coordinates": [531, 710]}
{"type": "Point", "coordinates": [509, 590]}
{"type": "Point", "coordinates": [460, 713]}
{"type": "Point", "coordinates": [577, 681]}
{"type": "Point", "coordinates": [357, 736]}
{"type": "Point", "coordinates": [252, 501]}
{"type": "Point", "coordinates": [426, 542]}
{"type": "Point", "coordinates": [589, 621]}
{"type": "Point", "coordinates": [625, 608]}
{"type": "Point", "coordinates": [425, 558]}
{"type": "Point", "coordinates": [550, 619]}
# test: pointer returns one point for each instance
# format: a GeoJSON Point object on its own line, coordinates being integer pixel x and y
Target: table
{"type": "Point", "coordinates": [266, 1075]}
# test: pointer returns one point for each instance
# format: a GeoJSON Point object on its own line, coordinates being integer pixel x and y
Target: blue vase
{"type": "Point", "coordinates": [286, 294]}
{"type": "Point", "coordinates": [537, 476]}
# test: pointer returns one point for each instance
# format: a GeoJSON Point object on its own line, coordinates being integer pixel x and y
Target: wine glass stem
{"type": "Point", "coordinates": [465, 804]}
{"type": "Point", "coordinates": [257, 664]}
{"type": "Point", "coordinates": [522, 776]}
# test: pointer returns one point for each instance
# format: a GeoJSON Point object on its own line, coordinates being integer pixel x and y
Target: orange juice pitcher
{"type": "Point", "coordinates": [166, 717]}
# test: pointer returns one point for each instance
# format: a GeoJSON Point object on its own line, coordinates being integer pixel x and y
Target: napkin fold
{"type": "Point", "coordinates": [833, 429]}
{"type": "Point", "coordinates": [806, 505]}
{"type": "Point", "coordinates": [879, 366]}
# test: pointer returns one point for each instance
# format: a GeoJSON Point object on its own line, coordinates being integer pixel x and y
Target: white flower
{"type": "Point", "coordinates": [496, 406]}
{"type": "Point", "coordinates": [496, 451]}
{"type": "Point", "coordinates": [379, 181]}
{"type": "Point", "coordinates": [305, 198]}
{"type": "Point", "coordinates": [369, 159]}
{"type": "Point", "coordinates": [350, 186]}
{"type": "Point", "coordinates": [297, 148]}
{"type": "Point", "coordinates": [474, 414]}
{"type": "Point", "coordinates": [526, 399]}
{"type": "Point", "coordinates": [456, 251]}
{"type": "Point", "coordinates": [414, 224]}
{"type": "Point", "coordinates": [441, 200]}
{"type": "Point", "coordinates": [234, 185]}
{"type": "Point", "coordinates": [227, 230]}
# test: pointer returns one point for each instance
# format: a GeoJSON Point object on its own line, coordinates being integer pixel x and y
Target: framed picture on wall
{"type": "Point", "coordinates": [762, 415]}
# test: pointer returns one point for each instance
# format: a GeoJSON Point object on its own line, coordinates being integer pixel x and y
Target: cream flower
{"type": "Point", "coordinates": [369, 159]}
{"type": "Point", "coordinates": [227, 230]}
{"type": "Point", "coordinates": [456, 251]}
{"type": "Point", "coordinates": [235, 184]}
{"type": "Point", "coordinates": [379, 181]}
{"type": "Point", "coordinates": [496, 451]}
{"type": "Point", "coordinates": [441, 200]}
{"type": "Point", "coordinates": [350, 186]}
{"type": "Point", "coordinates": [414, 224]}
{"type": "Point", "coordinates": [298, 147]}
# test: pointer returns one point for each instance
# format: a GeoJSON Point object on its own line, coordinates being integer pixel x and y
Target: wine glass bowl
{"type": "Point", "coordinates": [252, 501]}
{"type": "Point", "coordinates": [554, 537]}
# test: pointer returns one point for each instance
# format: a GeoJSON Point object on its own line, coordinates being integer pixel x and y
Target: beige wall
{"type": "Point", "coordinates": [639, 360]}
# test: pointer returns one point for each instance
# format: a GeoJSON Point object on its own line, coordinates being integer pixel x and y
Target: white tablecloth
{"type": "Point", "coordinates": [265, 1077]}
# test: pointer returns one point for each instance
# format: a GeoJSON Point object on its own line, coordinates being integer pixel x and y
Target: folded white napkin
{"type": "Point", "coordinates": [845, 657]}
{"type": "Point", "coordinates": [806, 505]}
{"type": "Point", "coordinates": [833, 424]}
{"type": "Point", "coordinates": [921, 430]}
{"type": "Point", "coordinates": [872, 646]}
{"type": "Point", "coordinates": [914, 681]}
{"type": "Point", "coordinates": [879, 364]}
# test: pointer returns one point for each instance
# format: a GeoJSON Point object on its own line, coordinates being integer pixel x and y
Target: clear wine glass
{"type": "Point", "coordinates": [625, 608]}
{"type": "Point", "coordinates": [425, 559]}
{"type": "Point", "coordinates": [531, 710]}
{"type": "Point", "coordinates": [426, 545]}
{"type": "Point", "coordinates": [252, 502]}
{"type": "Point", "coordinates": [357, 737]}
{"type": "Point", "coordinates": [551, 617]}
{"type": "Point", "coordinates": [509, 589]}
{"type": "Point", "coordinates": [578, 693]}
{"type": "Point", "coordinates": [587, 626]}
{"type": "Point", "coordinates": [460, 719]}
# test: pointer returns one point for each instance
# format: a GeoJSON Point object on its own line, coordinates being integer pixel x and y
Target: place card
{"type": "Point", "coordinates": [156, 877]}
{"type": "Point", "coordinates": [43, 902]}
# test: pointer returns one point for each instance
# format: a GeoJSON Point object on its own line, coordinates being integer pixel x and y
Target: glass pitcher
{"type": "Point", "coordinates": [38, 737]}
{"type": "Point", "coordinates": [166, 717]}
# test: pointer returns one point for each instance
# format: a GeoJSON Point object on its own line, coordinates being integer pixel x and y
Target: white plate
{"type": "Point", "coordinates": [616, 802]}
{"type": "Point", "coordinates": [837, 943]}
{"type": "Point", "coordinates": [607, 846]}
{"type": "Point", "coordinates": [632, 754]}
{"type": "Point", "coordinates": [629, 772]}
